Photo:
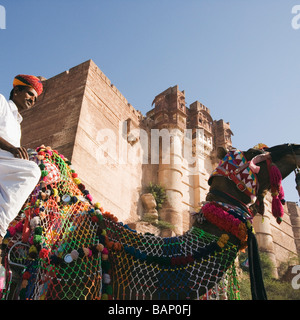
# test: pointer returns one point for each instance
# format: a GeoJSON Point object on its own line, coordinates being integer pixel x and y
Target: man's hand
{"type": "Point", "coordinates": [17, 152]}
{"type": "Point", "coordinates": [20, 153]}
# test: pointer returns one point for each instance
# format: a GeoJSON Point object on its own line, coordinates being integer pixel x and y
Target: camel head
{"type": "Point", "coordinates": [265, 162]}
{"type": "Point", "coordinates": [286, 157]}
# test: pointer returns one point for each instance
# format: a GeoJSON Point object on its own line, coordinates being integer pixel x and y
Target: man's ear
{"type": "Point", "coordinates": [16, 90]}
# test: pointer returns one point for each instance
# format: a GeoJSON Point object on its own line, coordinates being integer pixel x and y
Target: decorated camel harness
{"type": "Point", "coordinates": [64, 246]}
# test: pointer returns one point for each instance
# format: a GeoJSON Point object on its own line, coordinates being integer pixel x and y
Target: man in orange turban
{"type": "Point", "coordinates": [18, 175]}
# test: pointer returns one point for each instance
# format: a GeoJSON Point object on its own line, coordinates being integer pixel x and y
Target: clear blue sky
{"type": "Point", "coordinates": [239, 58]}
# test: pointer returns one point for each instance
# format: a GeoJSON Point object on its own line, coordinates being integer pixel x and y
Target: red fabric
{"type": "Point", "coordinates": [29, 81]}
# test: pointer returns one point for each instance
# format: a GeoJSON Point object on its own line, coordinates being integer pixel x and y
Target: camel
{"type": "Point", "coordinates": [64, 246]}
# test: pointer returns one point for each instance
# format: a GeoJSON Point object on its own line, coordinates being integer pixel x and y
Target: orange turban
{"type": "Point", "coordinates": [29, 81]}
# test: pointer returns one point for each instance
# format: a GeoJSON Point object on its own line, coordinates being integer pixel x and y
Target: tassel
{"type": "Point", "coordinates": [275, 176]}
{"type": "Point", "coordinates": [297, 179]}
{"type": "Point", "coordinates": [277, 193]}
{"type": "Point", "coordinates": [277, 208]}
{"type": "Point", "coordinates": [281, 195]}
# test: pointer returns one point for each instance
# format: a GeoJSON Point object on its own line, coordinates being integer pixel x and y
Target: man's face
{"type": "Point", "coordinates": [25, 98]}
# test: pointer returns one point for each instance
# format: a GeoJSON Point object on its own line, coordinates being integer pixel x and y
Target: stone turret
{"type": "Point", "coordinates": [184, 178]}
{"type": "Point", "coordinates": [170, 114]}
{"type": "Point", "coordinates": [170, 109]}
{"type": "Point", "coordinates": [279, 242]}
{"type": "Point", "coordinates": [222, 134]}
{"type": "Point", "coordinates": [294, 211]}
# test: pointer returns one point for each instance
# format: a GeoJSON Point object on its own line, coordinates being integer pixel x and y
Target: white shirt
{"type": "Point", "coordinates": [10, 122]}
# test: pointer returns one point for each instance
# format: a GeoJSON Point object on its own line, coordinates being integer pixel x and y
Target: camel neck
{"type": "Point", "coordinates": [229, 198]}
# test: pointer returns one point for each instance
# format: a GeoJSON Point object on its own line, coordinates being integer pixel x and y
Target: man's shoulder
{"type": "Point", "coordinates": [3, 105]}
{"type": "Point", "coordinates": [2, 99]}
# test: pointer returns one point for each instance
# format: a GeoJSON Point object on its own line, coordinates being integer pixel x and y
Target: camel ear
{"type": "Point", "coordinates": [221, 152]}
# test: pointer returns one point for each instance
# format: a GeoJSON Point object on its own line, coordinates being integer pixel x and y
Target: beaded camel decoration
{"type": "Point", "coordinates": [62, 246]}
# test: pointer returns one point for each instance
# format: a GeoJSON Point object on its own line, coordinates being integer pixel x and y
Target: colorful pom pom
{"type": "Point", "coordinates": [44, 254]}
{"type": "Point", "coordinates": [74, 254]}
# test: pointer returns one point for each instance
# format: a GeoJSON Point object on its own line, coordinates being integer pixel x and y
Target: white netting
{"type": "Point", "coordinates": [66, 248]}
